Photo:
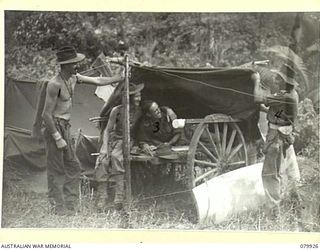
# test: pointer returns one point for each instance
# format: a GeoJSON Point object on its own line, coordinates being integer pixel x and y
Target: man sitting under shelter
{"type": "Point", "coordinates": [156, 128]}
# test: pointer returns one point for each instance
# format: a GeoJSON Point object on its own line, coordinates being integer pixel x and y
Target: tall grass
{"type": "Point", "coordinates": [23, 208]}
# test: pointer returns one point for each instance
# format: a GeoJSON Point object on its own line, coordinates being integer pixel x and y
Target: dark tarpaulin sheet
{"type": "Point", "coordinates": [24, 151]}
{"type": "Point", "coordinates": [86, 145]}
{"type": "Point", "coordinates": [21, 100]}
{"type": "Point", "coordinates": [21, 149]}
{"type": "Point", "coordinates": [195, 93]}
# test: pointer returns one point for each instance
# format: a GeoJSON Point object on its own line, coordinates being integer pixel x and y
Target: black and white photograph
{"type": "Point", "coordinates": [161, 120]}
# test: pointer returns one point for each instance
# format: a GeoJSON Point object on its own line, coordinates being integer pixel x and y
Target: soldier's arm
{"type": "Point", "coordinates": [50, 103]}
{"type": "Point", "coordinates": [106, 134]}
{"type": "Point", "coordinates": [99, 81]}
{"type": "Point", "coordinates": [47, 114]}
{"type": "Point", "coordinates": [171, 115]}
{"type": "Point", "coordinates": [174, 139]}
{"type": "Point", "coordinates": [155, 142]}
{"type": "Point", "coordinates": [263, 108]}
{"type": "Point", "coordinates": [278, 98]}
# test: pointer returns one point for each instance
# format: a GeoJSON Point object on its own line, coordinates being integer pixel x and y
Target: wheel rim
{"type": "Point", "coordinates": [215, 148]}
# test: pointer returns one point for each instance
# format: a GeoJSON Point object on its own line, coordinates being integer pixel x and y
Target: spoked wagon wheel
{"type": "Point", "coordinates": [217, 146]}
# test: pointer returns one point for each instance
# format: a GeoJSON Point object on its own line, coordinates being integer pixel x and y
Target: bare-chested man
{"type": "Point", "coordinates": [62, 166]}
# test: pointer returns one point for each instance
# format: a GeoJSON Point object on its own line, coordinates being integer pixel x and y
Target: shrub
{"type": "Point", "coordinates": [307, 130]}
{"type": "Point", "coordinates": [31, 64]}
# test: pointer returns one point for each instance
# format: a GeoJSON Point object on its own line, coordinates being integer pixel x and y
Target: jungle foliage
{"type": "Point", "coordinates": [172, 39]}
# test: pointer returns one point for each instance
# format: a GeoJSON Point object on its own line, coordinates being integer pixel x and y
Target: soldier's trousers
{"type": "Point", "coordinates": [114, 172]}
{"type": "Point", "coordinates": [63, 169]}
{"type": "Point", "coordinates": [279, 173]}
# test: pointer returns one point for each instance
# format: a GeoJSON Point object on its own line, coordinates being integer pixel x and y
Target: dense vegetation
{"type": "Point", "coordinates": [170, 39]}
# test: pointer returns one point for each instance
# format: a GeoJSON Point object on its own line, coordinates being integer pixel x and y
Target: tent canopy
{"type": "Point", "coordinates": [21, 98]}
{"type": "Point", "coordinates": [191, 93]}
{"type": "Point", "coordinates": [195, 93]}
{"type": "Point", "coordinates": [21, 149]}
{"type": "Point", "coordinates": [20, 104]}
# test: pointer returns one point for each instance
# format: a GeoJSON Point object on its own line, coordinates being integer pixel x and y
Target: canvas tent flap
{"type": "Point", "coordinates": [199, 92]}
{"type": "Point", "coordinates": [85, 146]}
{"type": "Point", "coordinates": [20, 110]}
{"type": "Point", "coordinates": [196, 93]}
{"type": "Point", "coordinates": [20, 148]}
{"type": "Point", "coordinates": [20, 106]}
{"type": "Point", "coordinates": [104, 92]}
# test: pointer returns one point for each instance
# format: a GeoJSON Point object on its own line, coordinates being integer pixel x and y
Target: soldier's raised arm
{"type": "Point", "coordinates": [99, 81]}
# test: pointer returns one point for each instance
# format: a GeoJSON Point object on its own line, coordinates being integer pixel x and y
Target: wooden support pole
{"type": "Point", "coordinates": [126, 131]}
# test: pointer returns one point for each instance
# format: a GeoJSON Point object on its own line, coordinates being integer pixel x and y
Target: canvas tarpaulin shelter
{"type": "Point", "coordinates": [192, 93]}
{"type": "Point", "coordinates": [20, 104]}
{"type": "Point", "coordinates": [21, 149]}
{"type": "Point", "coordinates": [195, 93]}
{"type": "Point", "coordinates": [199, 92]}
{"type": "Point", "coordinates": [21, 98]}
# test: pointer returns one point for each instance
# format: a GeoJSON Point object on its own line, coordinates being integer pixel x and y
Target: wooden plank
{"type": "Point", "coordinates": [126, 132]}
{"type": "Point", "coordinates": [155, 160]}
{"type": "Point", "coordinates": [199, 120]}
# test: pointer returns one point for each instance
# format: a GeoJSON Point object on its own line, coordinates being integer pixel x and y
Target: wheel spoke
{"type": "Point", "coordinates": [212, 141]}
{"type": "Point", "coordinates": [217, 134]}
{"type": "Point", "coordinates": [207, 163]}
{"type": "Point", "coordinates": [215, 149]}
{"type": "Point", "coordinates": [234, 151]}
{"type": "Point", "coordinates": [205, 175]}
{"type": "Point", "coordinates": [224, 139]}
{"type": "Point", "coordinates": [236, 163]}
{"type": "Point", "coordinates": [230, 143]}
{"type": "Point", "coordinates": [207, 151]}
